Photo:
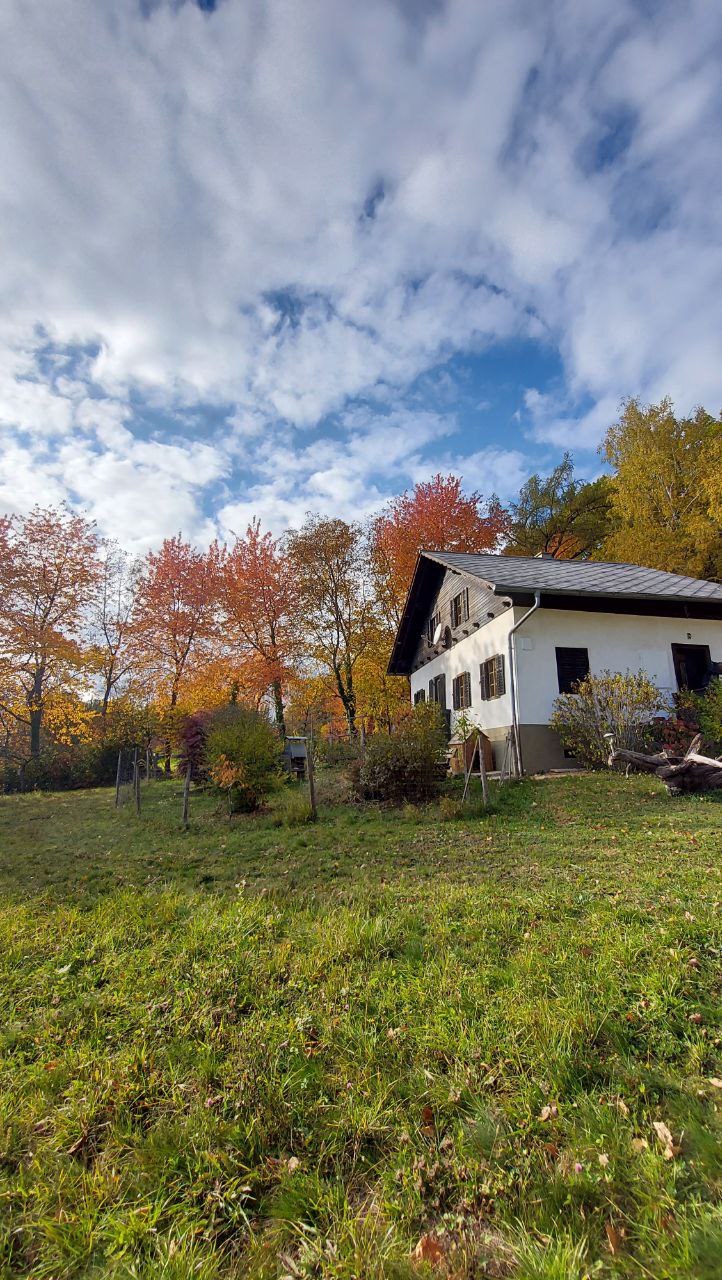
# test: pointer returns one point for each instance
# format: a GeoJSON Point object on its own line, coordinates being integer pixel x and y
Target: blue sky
{"type": "Point", "coordinates": [262, 257]}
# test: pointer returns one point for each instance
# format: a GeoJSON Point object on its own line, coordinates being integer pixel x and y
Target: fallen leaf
{"type": "Point", "coordinates": [603, 1159]}
{"type": "Point", "coordinates": [666, 1139]}
{"type": "Point", "coordinates": [292, 1163]}
{"type": "Point", "coordinates": [716, 1082]}
{"type": "Point", "coordinates": [428, 1249]}
{"type": "Point", "coordinates": [696, 1018]}
{"type": "Point", "coordinates": [549, 1111]}
{"type": "Point", "coordinates": [428, 1121]}
{"type": "Point", "coordinates": [614, 1239]}
{"type": "Point", "coordinates": [213, 1102]}
{"type": "Point", "coordinates": [640, 1144]}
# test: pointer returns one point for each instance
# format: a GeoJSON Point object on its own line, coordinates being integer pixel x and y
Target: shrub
{"type": "Point", "coordinates": [295, 812]}
{"type": "Point", "coordinates": [64, 768]}
{"type": "Point", "coordinates": [242, 757]}
{"type": "Point", "coordinates": [192, 737]}
{"type": "Point", "coordinates": [709, 710]}
{"type": "Point", "coordinates": [623, 704]}
{"type": "Point", "coordinates": [407, 766]}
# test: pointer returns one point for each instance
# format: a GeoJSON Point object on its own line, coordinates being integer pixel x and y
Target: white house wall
{"type": "Point", "coordinates": [467, 655]}
{"type": "Point", "coordinates": [615, 641]}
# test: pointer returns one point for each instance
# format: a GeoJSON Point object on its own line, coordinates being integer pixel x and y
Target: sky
{"type": "Point", "coordinates": [261, 257]}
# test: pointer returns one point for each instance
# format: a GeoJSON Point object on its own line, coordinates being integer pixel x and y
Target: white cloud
{"type": "Point", "coordinates": [183, 226]}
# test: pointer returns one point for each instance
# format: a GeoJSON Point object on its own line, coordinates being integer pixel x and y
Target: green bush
{"type": "Point", "coordinates": [243, 756]}
{"type": "Point", "coordinates": [623, 704]}
{"type": "Point", "coordinates": [709, 711]}
{"type": "Point", "coordinates": [409, 765]}
{"type": "Point", "coordinates": [296, 811]}
{"type": "Point", "coordinates": [64, 768]}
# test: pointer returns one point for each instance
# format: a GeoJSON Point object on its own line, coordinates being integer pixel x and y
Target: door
{"type": "Point", "coordinates": [692, 666]}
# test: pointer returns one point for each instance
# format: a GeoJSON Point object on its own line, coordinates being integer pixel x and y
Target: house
{"type": "Point", "coordinates": [499, 637]}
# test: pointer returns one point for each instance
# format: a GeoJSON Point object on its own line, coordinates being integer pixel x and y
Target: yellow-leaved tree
{"type": "Point", "coordinates": [666, 498]}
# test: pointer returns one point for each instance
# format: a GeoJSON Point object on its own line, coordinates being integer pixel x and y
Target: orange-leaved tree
{"type": "Point", "coordinates": [49, 573]}
{"type": "Point", "coordinates": [175, 619]}
{"type": "Point", "coordinates": [335, 608]}
{"type": "Point", "coordinates": [436, 516]}
{"type": "Point", "coordinates": [258, 599]}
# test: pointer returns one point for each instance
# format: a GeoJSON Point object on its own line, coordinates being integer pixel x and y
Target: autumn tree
{"type": "Point", "coordinates": [112, 619]}
{"type": "Point", "coordinates": [258, 595]}
{"type": "Point", "coordinates": [666, 494]}
{"type": "Point", "coordinates": [436, 515]}
{"type": "Point", "coordinates": [560, 516]}
{"type": "Point", "coordinates": [49, 572]}
{"type": "Point", "coordinates": [329, 565]}
{"type": "Point", "coordinates": [175, 617]}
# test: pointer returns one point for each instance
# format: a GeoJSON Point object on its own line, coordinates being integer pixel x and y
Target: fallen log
{"type": "Point", "coordinates": [691, 772]}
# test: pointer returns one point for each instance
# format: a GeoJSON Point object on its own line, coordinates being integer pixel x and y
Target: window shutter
{"type": "Point", "coordinates": [467, 688]}
{"type": "Point", "coordinates": [500, 681]}
{"type": "Point", "coordinates": [572, 666]}
{"type": "Point", "coordinates": [441, 691]}
{"type": "Point", "coordinates": [466, 607]}
{"type": "Point", "coordinates": [432, 691]}
{"type": "Point", "coordinates": [484, 681]}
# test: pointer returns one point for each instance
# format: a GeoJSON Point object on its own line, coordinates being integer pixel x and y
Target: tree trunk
{"type": "Point", "coordinates": [347, 696]}
{"type": "Point", "coordinates": [166, 744]}
{"type": "Point", "coordinates": [278, 708]}
{"type": "Point", "coordinates": [36, 712]}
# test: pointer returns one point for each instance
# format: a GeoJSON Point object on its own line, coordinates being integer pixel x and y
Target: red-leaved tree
{"type": "Point", "coordinates": [175, 617]}
{"type": "Point", "coordinates": [258, 596]}
{"type": "Point", "coordinates": [435, 516]}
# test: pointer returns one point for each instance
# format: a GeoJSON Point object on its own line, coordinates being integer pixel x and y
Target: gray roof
{"type": "Point", "coordinates": [577, 577]}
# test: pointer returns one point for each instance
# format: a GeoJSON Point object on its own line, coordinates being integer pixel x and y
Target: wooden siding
{"type": "Point", "coordinates": [482, 602]}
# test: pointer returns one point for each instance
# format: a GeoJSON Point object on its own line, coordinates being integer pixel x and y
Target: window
{"type": "Point", "coordinates": [493, 677]}
{"type": "Point", "coordinates": [572, 666]}
{"type": "Point", "coordinates": [460, 608]}
{"type": "Point", "coordinates": [419, 696]}
{"type": "Point", "coordinates": [692, 666]}
{"type": "Point", "coordinates": [432, 624]}
{"type": "Point", "coordinates": [437, 690]}
{"type": "Point", "coordinates": [461, 690]}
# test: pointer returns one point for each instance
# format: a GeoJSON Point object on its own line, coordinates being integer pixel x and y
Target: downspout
{"type": "Point", "coordinates": [513, 682]}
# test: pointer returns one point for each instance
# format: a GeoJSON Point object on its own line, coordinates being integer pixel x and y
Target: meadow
{"type": "Point", "coordinates": [389, 1044]}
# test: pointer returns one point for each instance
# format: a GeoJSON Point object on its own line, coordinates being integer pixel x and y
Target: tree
{"type": "Point", "coordinates": [559, 516]}
{"type": "Point", "coordinates": [175, 617]}
{"type": "Point", "coordinates": [666, 494]}
{"type": "Point", "coordinates": [49, 572]}
{"type": "Point", "coordinates": [258, 594]}
{"type": "Point", "coordinates": [334, 604]}
{"type": "Point", "coordinates": [112, 619]}
{"type": "Point", "coordinates": [437, 516]}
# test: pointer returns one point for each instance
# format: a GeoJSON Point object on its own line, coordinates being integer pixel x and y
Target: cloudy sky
{"type": "Point", "coordinates": [265, 256]}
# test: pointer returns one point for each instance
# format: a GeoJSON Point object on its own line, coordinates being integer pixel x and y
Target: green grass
{"type": "Point", "coordinates": [263, 1050]}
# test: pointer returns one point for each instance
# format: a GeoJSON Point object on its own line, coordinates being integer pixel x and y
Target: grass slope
{"type": "Point", "coordinates": [256, 1051]}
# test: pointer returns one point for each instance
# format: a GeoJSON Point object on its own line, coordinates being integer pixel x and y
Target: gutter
{"type": "Point", "coordinates": [513, 683]}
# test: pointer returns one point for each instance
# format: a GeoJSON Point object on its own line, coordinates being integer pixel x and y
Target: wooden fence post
{"type": "Point", "coordinates": [186, 793]}
{"type": "Point", "coordinates": [147, 764]}
{"type": "Point", "coordinates": [311, 778]}
{"type": "Point", "coordinates": [117, 779]}
{"type": "Point", "coordinates": [482, 771]}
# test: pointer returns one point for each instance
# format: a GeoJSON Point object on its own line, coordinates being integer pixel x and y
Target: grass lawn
{"type": "Point", "coordinates": [386, 1045]}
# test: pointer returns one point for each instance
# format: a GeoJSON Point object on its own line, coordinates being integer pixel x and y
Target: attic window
{"type": "Point", "coordinates": [460, 608]}
{"type": "Point", "coordinates": [432, 624]}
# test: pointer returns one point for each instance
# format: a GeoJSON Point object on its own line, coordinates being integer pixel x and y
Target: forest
{"type": "Point", "coordinates": [99, 649]}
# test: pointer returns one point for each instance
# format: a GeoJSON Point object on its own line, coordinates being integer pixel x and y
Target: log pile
{"type": "Point", "coordinates": [690, 772]}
